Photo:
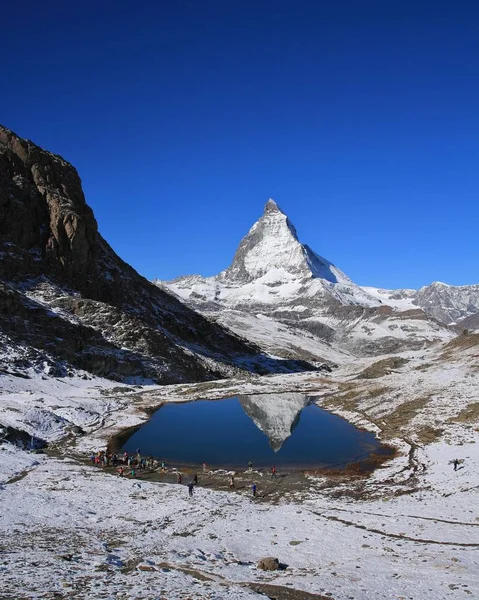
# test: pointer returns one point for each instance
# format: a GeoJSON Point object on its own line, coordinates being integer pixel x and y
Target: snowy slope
{"type": "Point", "coordinates": [72, 530]}
{"type": "Point", "coordinates": [402, 299]}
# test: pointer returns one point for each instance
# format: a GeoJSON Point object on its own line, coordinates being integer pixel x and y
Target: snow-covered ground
{"type": "Point", "coordinates": [80, 533]}
{"type": "Point", "coordinates": [411, 530]}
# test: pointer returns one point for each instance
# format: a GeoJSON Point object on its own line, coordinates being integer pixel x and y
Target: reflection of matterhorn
{"type": "Point", "coordinates": [275, 414]}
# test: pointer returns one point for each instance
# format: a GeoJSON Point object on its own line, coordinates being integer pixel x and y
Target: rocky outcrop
{"type": "Point", "coordinates": [469, 323]}
{"type": "Point", "coordinates": [43, 214]}
{"type": "Point", "coordinates": [269, 563]}
{"type": "Point", "coordinates": [448, 303]}
{"type": "Point", "coordinates": [65, 293]}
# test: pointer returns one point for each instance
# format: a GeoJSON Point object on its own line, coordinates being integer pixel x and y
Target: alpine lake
{"type": "Point", "coordinates": [286, 430]}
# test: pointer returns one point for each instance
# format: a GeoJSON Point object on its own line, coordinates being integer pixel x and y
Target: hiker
{"type": "Point", "coordinates": [253, 489]}
{"type": "Point", "coordinates": [273, 472]}
{"type": "Point", "coordinates": [455, 462]}
{"type": "Point", "coordinates": [232, 482]}
{"type": "Point", "coordinates": [250, 466]}
{"type": "Point", "coordinates": [195, 479]}
{"type": "Point", "coordinates": [163, 466]}
{"type": "Point", "coordinates": [190, 488]}
{"type": "Point", "coordinates": [179, 478]}
{"type": "Point", "coordinates": [204, 467]}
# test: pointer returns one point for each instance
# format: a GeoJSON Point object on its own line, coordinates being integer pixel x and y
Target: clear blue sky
{"type": "Point", "coordinates": [361, 119]}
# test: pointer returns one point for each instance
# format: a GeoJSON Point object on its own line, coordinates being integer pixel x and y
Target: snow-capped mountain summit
{"type": "Point", "coordinates": [270, 267]}
{"type": "Point", "coordinates": [294, 303]}
{"type": "Point", "coordinates": [271, 248]}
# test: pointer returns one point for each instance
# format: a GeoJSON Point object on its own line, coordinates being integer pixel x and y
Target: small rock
{"type": "Point", "coordinates": [268, 564]}
{"type": "Point", "coordinates": [65, 556]}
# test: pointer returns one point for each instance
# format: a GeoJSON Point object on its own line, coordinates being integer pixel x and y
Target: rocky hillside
{"type": "Point", "coordinates": [449, 304]}
{"type": "Point", "coordinates": [295, 303]}
{"type": "Point", "coordinates": [67, 301]}
{"type": "Point", "coordinates": [469, 323]}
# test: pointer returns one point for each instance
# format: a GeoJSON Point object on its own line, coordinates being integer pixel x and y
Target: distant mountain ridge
{"type": "Point", "coordinates": [293, 302]}
{"type": "Point", "coordinates": [449, 304]}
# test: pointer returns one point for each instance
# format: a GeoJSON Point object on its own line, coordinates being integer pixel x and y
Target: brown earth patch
{"type": "Point", "coordinates": [352, 394]}
{"type": "Point", "coordinates": [394, 423]}
{"type": "Point", "coordinates": [383, 367]}
{"type": "Point", "coordinates": [461, 342]}
{"type": "Point", "coordinates": [360, 468]}
{"type": "Point", "coordinates": [428, 435]}
{"type": "Point", "coordinates": [470, 414]}
{"type": "Point", "coordinates": [279, 592]}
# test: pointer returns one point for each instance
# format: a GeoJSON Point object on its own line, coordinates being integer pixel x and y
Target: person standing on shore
{"type": "Point", "coordinates": [179, 478]}
{"type": "Point", "coordinates": [253, 489]}
{"type": "Point", "coordinates": [190, 489]}
{"type": "Point", "coordinates": [232, 482]}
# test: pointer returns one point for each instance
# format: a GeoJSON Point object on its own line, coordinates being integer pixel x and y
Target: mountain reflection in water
{"type": "Point", "coordinates": [285, 429]}
{"type": "Point", "coordinates": [276, 415]}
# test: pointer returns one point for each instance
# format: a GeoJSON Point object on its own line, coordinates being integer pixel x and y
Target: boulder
{"type": "Point", "coordinates": [268, 564]}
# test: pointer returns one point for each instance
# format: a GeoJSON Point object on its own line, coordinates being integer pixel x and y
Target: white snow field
{"type": "Point", "coordinates": [409, 531]}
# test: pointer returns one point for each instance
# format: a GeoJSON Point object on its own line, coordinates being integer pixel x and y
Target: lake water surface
{"type": "Point", "coordinates": [268, 429]}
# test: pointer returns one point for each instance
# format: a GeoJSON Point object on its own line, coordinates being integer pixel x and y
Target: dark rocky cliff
{"type": "Point", "coordinates": [67, 298]}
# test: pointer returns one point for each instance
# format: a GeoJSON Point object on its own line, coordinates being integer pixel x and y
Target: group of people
{"type": "Point", "coordinates": [128, 464]}
{"type": "Point", "coordinates": [124, 461]}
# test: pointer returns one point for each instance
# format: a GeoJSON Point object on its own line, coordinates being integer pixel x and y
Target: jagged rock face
{"type": "Point", "coordinates": [276, 415]}
{"type": "Point", "coordinates": [43, 210]}
{"type": "Point", "coordinates": [448, 303]}
{"type": "Point", "coordinates": [294, 303]}
{"type": "Point", "coordinates": [65, 294]}
{"type": "Point", "coordinates": [469, 323]}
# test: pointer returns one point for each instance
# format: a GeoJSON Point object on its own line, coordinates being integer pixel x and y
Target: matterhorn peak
{"type": "Point", "coordinates": [272, 253]}
{"type": "Point", "coordinates": [272, 207]}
